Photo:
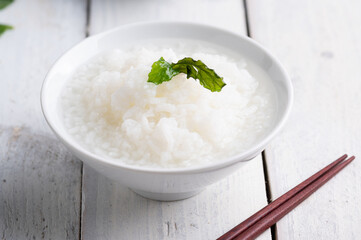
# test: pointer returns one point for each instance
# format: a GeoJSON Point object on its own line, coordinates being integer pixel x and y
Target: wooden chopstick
{"type": "Point", "coordinates": [269, 215]}
{"type": "Point", "coordinates": [276, 203]}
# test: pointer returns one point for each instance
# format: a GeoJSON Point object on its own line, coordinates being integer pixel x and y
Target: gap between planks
{"type": "Point", "coordinates": [87, 24]}
{"type": "Point", "coordinates": [268, 191]}
{"type": "Point", "coordinates": [264, 158]}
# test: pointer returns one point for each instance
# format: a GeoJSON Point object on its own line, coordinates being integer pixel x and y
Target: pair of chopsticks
{"type": "Point", "coordinates": [269, 215]}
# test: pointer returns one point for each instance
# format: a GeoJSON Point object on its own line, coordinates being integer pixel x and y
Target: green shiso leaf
{"type": "Point", "coordinates": [4, 28]}
{"type": "Point", "coordinates": [5, 3]}
{"type": "Point", "coordinates": [163, 71]}
{"type": "Point", "coordinates": [207, 77]}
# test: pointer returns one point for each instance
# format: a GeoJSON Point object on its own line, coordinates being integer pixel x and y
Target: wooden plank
{"type": "Point", "coordinates": [114, 212]}
{"type": "Point", "coordinates": [40, 182]}
{"type": "Point", "coordinates": [319, 43]}
{"type": "Point", "coordinates": [109, 14]}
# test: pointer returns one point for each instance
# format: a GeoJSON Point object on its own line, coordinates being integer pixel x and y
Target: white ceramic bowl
{"type": "Point", "coordinates": [162, 184]}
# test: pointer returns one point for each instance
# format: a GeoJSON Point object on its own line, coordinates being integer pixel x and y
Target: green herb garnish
{"type": "Point", "coordinates": [4, 28]}
{"type": "Point", "coordinates": [5, 3]}
{"type": "Point", "coordinates": [163, 71]}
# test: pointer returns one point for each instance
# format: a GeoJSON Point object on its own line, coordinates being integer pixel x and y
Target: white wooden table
{"type": "Point", "coordinates": [45, 193]}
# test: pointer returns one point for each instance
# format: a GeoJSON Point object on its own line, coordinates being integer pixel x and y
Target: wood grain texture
{"type": "Point", "coordinates": [40, 182]}
{"type": "Point", "coordinates": [319, 44]}
{"type": "Point", "coordinates": [112, 211]}
{"type": "Point", "coordinates": [39, 187]}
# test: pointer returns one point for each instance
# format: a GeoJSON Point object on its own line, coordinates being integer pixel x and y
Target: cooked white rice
{"type": "Point", "coordinates": [110, 108]}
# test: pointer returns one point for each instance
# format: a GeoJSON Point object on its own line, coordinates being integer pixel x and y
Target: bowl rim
{"type": "Point", "coordinates": [181, 170]}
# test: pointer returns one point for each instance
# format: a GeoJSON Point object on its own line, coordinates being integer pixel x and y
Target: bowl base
{"type": "Point", "coordinates": [166, 196]}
